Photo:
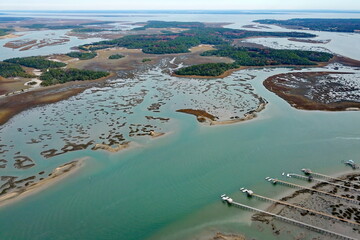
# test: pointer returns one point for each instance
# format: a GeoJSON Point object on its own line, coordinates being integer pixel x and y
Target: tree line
{"type": "Point", "coordinates": [181, 42]}
{"type": "Point", "coordinates": [253, 57]}
{"type": "Point", "coordinates": [82, 55]}
{"type": "Point", "coordinates": [35, 62]}
{"type": "Point", "coordinates": [56, 76]}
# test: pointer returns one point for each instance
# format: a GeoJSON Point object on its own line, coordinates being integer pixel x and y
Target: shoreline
{"type": "Point", "coordinates": [34, 97]}
{"type": "Point", "coordinates": [309, 41]}
{"type": "Point", "coordinates": [318, 203]}
{"type": "Point", "coordinates": [204, 117]}
{"type": "Point", "coordinates": [298, 100]}
{"type": "Point", "coordinates": [231, 71]}
{"type": "Point", "coordinates": [112, 148]}
{"type": "Point", "coordinates": [11, 35]}
{"type": "Point", "coordinates": [54, 177]}
{"type": "Point", "coordinates": [336, 59]}
{"type": "Point", "coordinates": [23, 100]}
{"type": "Point", "coordinates": [14, 104]}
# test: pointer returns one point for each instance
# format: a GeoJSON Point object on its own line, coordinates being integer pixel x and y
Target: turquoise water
{"type": "Point", "coordinates": [169, 188]}
{"type": "Point", "coordinates": [150, 190]}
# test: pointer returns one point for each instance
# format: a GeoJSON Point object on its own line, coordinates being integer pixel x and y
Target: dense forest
{"type": "Point", "coordinates": [156, 44]}
{"type": "Point", "coordinates": [56, 76]}
{"type": "Point", "coordinates": [82, 55]}
{"type": "Point", "coordinates": [254, 57]}
{"type": "Point", "coordinates": [181, 42]}
{"type": "Point", "coordinates": [116, 56]}
{"type": "Point", "coordinates": [5, 31]}
{"type": "Point", "coordinates": [318, 24]}
{"type": "Point", "coordinates": [207, 69]}
{"type": "Point", "coordinates": [12, 70]}
{"type": "Point", "coordinates": [35, 62]}
{"type": "Point", "coordinates": [262, 57]}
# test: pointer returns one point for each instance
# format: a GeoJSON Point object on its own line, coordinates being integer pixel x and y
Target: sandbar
{"type": "Point", "coordinates": [205, 117]}
{"type": "Point", "coordinates": [113, 148]}
{"type": "Point", "coordinates": [56, 175]}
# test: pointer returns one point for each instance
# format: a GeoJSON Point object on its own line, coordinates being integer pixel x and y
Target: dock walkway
{"type": "Point", "coordinates": [305, 209]}
{"type": "Point", "coordinates": [295, 222]}
{"type": "Point", "coordinates": [298, 176]}
{"type": "Point", "coordinates": [315, 190]}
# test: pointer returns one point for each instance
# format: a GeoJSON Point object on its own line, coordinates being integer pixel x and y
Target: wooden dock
{"type": "Point", "coordinates": [274, 181]}
{"type": "Point", "coordinates": [333, 178]}
{"type": "Point", "coordinates": [305, 209]}
{"type": "Point", "coordinates": [292, 221]}
{"type": "Point", "coordinates": [298, 176]}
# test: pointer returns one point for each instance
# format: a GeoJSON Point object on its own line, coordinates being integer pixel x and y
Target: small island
{"type": "Point", "coordinates": [193, 35]}
{"type": "Point", "coordinates": [82, 55]}
{"type": "Point", "coordinates": [317, 24]}
{"type": "Point", "coordinates": [329, 91]}
{"type": "Point", "coordinates": [116, 56]}
{"type": "Point", "coordinates": [254, 57]}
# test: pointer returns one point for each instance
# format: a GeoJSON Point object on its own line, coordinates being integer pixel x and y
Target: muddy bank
{"type": "Point", "coordinates": [205, 117]}
{"type": "Point", "coordinates": [345, 61]}
{"type": "Point", "coordinates": [12, 105]}
{"type": "Point", "coordinates": [329, 91]}
{"type": "Point", "coordinates": [201, 115]}
{"type": "Point", "coordinates": [309, 41]}
{"type": "Point", "coordinates": [223, 236]}
{"type": "Point", "coordinates": [156, 134]}
{"type": "Point", "coordinates": [110, 148]}
{"type": "Point", "coordinates": [11, 85]}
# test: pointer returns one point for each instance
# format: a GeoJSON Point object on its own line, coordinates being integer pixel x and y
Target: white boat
{"type": "Point", "coordinates": [306, 171]}
{"type": "Point", "coordinates": [350, 163]}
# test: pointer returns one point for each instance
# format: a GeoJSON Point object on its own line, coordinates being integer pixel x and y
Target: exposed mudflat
{"type": "Point", "coordinates": [331, 91]}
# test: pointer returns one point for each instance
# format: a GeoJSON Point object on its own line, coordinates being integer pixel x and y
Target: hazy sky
{"type": "Point", "coordinates": [177, 4]}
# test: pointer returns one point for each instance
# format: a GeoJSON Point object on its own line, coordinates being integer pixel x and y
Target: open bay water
{"type": "Point", "coordinates": [169, 188]}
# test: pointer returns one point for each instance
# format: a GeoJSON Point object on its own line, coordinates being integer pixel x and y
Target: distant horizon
{"type": "Point", "coordinates": [186, 10]}
{"type": "Point", "coordinates": [192, 5]}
